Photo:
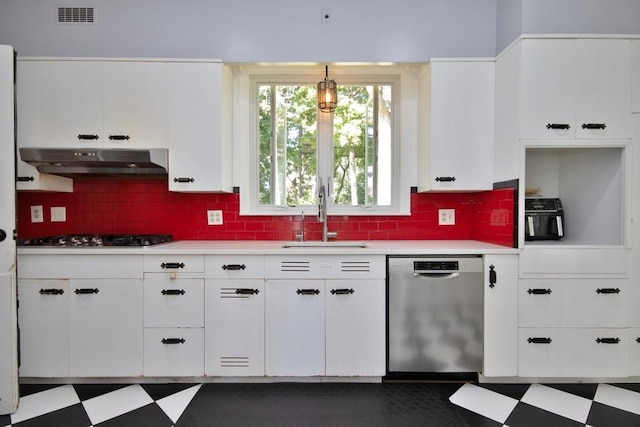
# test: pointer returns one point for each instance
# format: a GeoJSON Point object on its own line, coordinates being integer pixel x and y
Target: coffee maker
{"type": "Point", "coordinates": [544, 219]}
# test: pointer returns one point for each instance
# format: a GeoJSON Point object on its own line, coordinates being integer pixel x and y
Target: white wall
{"type": "Point", "coordinates": [253, 30]}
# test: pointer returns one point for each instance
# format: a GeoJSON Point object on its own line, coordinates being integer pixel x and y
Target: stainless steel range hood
{"type": "Point", "coordinates": [71, 162]}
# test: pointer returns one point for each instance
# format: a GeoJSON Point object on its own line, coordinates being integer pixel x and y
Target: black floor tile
{"type": "Point", "coordinates": [476, 420]}
{"type": "Point", "coordinates": [514, 391]}
{"type": "Point", "coordinates": [525, 415]}
{"type": "Point", "coordinates": [88, 391]}
{"type": "Point", "coordinates": [323, 404]}
{"type": "Point", "coordinates": [72, 416]}
{"type": "Point", "coordinates": [5, 420]}
{"type": "Point", "coordinates": [633, 387]}
{"type": "Point", "coordinates": [148, 416]}
{"type": "Point", "coordinates": [27, 389]}
{"type": "Point", "coordinates": [607, 416]}
{"type": "Point", "coordinates": [158, 391]}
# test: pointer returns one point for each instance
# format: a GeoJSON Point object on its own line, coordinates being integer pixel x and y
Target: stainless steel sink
{"type": "Point", "coordinates": [319, 244]}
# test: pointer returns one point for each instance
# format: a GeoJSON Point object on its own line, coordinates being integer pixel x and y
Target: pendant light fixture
{"type": "Point", "coordinates": [327, 93]}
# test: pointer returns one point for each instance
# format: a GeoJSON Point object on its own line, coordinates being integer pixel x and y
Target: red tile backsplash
{"type": "Point", "coordinates": [146, 206]}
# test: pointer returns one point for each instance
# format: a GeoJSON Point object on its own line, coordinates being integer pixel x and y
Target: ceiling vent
{"type": "Point", "coordinates": [75, 15]}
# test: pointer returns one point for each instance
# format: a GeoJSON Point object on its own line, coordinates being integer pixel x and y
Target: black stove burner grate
{"type": "Point", "coordinates": [86, 240]}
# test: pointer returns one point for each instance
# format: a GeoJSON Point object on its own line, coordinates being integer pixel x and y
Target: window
{"type": "Point", "coordinates": [354, 151]}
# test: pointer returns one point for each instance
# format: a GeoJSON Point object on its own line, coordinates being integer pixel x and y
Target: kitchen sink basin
{"type": "Point", "coordinates": [318, 244]}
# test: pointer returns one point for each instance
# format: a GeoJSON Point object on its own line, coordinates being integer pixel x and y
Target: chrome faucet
{"type": "Point", "coordinates": [300, 235]}
{"type": "Point", "coordinates": [322, 215]}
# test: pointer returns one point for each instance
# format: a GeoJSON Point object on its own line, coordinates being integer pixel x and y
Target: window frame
{"type": "Point", "coordinates": [246, 145]}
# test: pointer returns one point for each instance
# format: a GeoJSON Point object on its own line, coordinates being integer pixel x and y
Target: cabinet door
{"type": "Point", "coordinates": [548, 89]}
{"type": "Point", "coordinates": [135, 104]}
{"type": "Point", "coordinates": [500, 315]}
{"type": "Point", "coordinates": [199, 127]}
{"type": "Point", "coordinates": [355, 328]}
{"type": "Point", "coordinates": [44, 328]}
{"type": "Point", "coordinates": [69, 104]}
{"type": "Point", "coordinates": [634, 351]}
{"type": "Point", "coordinates": [234, 337]}
{"type": "Point", "coordinates": [295, 328]}
{"type": "Point", "coordinates": [173, 352]}
{"type": "Point", "coordinates": [106, 327]}
{"type": "Point", "coordinates": [635, 75]}
{"type": "Point", "coordinates": [603, 88]}
{"type": "Point", "coordinates": [462, 125]}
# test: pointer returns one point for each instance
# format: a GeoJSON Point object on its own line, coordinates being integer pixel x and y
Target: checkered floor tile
{"type": "Point", "coordinates": [327, 405]}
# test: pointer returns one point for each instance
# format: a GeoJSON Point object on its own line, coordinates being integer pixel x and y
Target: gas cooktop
{"type": "Point", "coordinates": [86, 240]}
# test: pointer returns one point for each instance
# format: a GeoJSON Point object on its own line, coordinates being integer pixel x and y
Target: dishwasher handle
{"type": "Point", "coordinates": [435, 275]}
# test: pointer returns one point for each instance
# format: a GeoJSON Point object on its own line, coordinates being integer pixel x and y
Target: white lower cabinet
{"type": "Point", "coordinates": [173, 352]}
{"type": "Point", "coordinates": [573, 352]}
{"type": "Point", "coordinates": [44, 327]}
{"type": "Point", "coordinates": [355, 328]}
{"type": "Point", "coordinates": [234, 327]}
{"type": "Point", "coordinates": [295, 328]}
{"type": "Point", "coordinates": [105, 324]}
{"type": "Point", "coordinates": [173, 302]}
{"type": "Point", "coordinates": [634, 351]}
{"type": "Point", "coordinates": [500, 316]}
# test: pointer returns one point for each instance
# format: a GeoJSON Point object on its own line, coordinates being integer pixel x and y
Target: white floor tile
{"type": "Point", "coordinates": [175, 404]}
{"type": "Point", "coordinates": [618, 397]}
{"type": "Point", "coordinates": [484, 402]}
{"type": "Point", "coordinates": [118, 402]}
{"type": "Point", "coordinates": [44, 402]}
{"type": "Point", "coordinates": [559, 402]}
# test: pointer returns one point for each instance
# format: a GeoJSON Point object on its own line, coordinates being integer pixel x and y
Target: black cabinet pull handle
{"type": "Point", "coordinates": [308, 291]}
{"type": "Point", "coordinates": [342, 291]}
{"type": "Point", "coordinates": [172, 265]}
{"type": "Point", "coordinates": [3, 235]}
{"type": "Point", "coordinates": [558, 126]}
{"type": "Point", "coordinates": [608, 340]}
{"type": "Point", "coordinates": [234, 266]}
{"type": "Point", "coordinates": [173, 340]}
{"type": "Point", "coordinates": [245, 291]}
{"type": "Point", "coordinates": [539, 291]}
{"type": "Point", "coordinates": [119, 137]}
{"type": "Point", "coordinates": [608, 290]}
{"type": "Point", "coordinates": [51, 291]}
{"type": "Point", "coordinates": [25, 178]}
{"type": "Point", "coordinates": [445, 178]}
{"type": "Point", "coordinates": [183, 179]}
{"type": "Point", "coordinates": [87, 136]}
{"type": "Point", "coordinates": [594, 126]}
{"type": "Point", "coordinates": [173, 292]}
{"type": "Point", "coordinates": [539, 340]}
{"type": "Point", "coordinates": [493, 276]}
{"type": "Point", "coordinates": [86, 291]}
{"type": "Point", "coordinates": [638, 340]}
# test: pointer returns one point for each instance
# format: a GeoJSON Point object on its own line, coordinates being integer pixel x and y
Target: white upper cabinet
{"type": "Point", "coordinates": [635, 72]}
{"type": "Point", "coordinates": [135, 104]}
{"type": "Point", "coordinates": [575, 88]}
{"type": "Point", "coordinates": [457, 128]}
{"type": "Point", "coordinates": [200, 123]}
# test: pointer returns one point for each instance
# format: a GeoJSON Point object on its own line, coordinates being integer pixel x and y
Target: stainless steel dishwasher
{"type": "Point", "coordinates": [435, 314]}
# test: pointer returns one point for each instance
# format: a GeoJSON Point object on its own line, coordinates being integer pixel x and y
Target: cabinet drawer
{"type": "Point", "coordinates": [173, 302]}
{"type": "Point", "coordinates": [174, 263]}
{"type": "Point", "coordinates": [325, 267]}
{"type": "Point", "coordinates": [174, 352]}
{"type": "Point", "coordinates": [79, 266]}
{"type": "Point", "coordinates": [573, 352]}
{"type": "Point", "coordinates": [573, 303]}
{"type": "Point", "coordinates": [545, 261]}
{"type": "Point", "coordinates": [234, 266]}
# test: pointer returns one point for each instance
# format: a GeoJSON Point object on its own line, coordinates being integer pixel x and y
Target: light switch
{"type": "Point", "coordinates": [58, 214]}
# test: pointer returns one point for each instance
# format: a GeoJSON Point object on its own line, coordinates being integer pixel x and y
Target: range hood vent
{"type": "Point", "coordinates": [71, 162]}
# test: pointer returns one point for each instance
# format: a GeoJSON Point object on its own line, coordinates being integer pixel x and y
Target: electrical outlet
{"type": "Point", "coordinates": [325, 16]}
{"type": "Point", "coordinates": [214, 217]}
{"type": "Point", "coordinates": [59, 214]}
{"type": "Point", "coordinates": [446, 216]}
{"type": "Point", "coordinates": [36, 214]}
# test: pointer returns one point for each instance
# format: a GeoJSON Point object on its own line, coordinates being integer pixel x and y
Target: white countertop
{"type": "Point", "coordinates": [264, 247]}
